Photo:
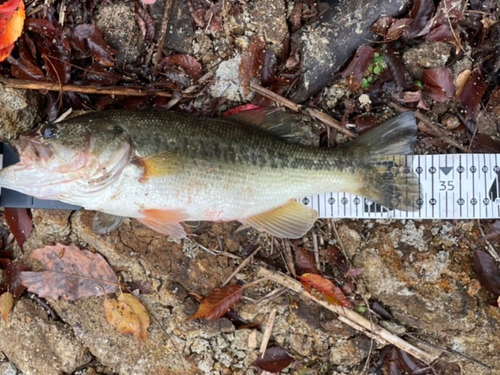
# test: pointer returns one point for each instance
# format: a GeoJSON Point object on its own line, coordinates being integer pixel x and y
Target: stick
{"type": "Point", "coordinates": [267, 332]}
{"type": "Point", "coordinates": [163, 32]}
{"type": "Point", "coordinates": [350, 317]}
{"type": "Point", "coordinates": [323, 117]}
{"type": "Point", "coordinates": [242, 265]}
{"type": "Point", "coordinates": [52, 86]}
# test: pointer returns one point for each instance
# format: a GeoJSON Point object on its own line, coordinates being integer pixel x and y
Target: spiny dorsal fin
{"type": "Point", "coordinates": [292, 220]}
{"type": "Point", "coordinates": [274, 121]}
{"type": "Point", "coordinates": [159, 165]}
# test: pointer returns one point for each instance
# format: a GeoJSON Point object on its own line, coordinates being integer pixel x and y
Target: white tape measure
{"type": "Point", "coordinates": [457, 186]}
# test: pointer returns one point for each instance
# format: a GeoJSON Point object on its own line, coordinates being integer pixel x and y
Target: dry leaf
{"type": "Point", "coordinates": [12, 17]}
{"type": "Point", "coordinates": [140, 311]}
{"type": "Point", "coordinates": [331, 293]}
{"type": "Point", "coordinates": [218, 302]}
{"type": "Point", "coordinates": [439, 84]}
{"type": "Point", "coordinates": [121, 316]}
{"type": "Point", "coordinates": [305, 261]}
{"type": "Point", "coordinates": [275, 359]}
{"type": "Point", "coordinates": [71, 274]}
{"type": "Point", "coordinates": [6, 305]}
{"type": "Point", "coordinates": [20, 224]}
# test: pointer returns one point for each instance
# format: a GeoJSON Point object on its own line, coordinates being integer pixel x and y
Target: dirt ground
{"type": "Point", "coordinates": [415, 278]}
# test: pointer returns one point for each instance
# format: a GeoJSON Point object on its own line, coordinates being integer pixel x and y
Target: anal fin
{"type": "Point", "coordinates": [166, 222]}
{"type": "Point", "coordinates": [292, 220]}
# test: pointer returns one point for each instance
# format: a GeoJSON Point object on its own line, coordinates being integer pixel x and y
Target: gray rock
{"type": "Point", "coordinates": [19, 111]}
{"type": "Point", "coordinates": [37, 345]}
{"type": "Point", "coordinates": [120, 30]}
{"type": "Point", "coordinates": [426, 55]}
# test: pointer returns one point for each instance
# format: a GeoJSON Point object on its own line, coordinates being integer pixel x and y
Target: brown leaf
{"type": "Point", "coordinates": [6, 305]}
{"type": "Point", "coordinates": [438, 84]}
{"type": "Point", "coordinates": [397, 29]}
{"type": "Point", "coordinates": [275, 359]}
{"type": "Point", "coordinates": [145, 22]}
{"type": "Point", "coordinates": [331, 293]}
{"type": "Point", "coordinates": [382, 24]}
{"type": "Point", "coordinates": [139, 310]}
{"type": "Point", "coordinates": [218, 302]}
{"type": "Point", "coordinates": [25, 69]}
{"type": "Point", "coordinates": [487, 272]}
{"type": "Point", "coordinates": [269, 68]}
{"type": "Point", "coordinates": [356, 68]}
{"type": "Point", "coordinates": [305, 261]}
{"type": "Point", "coordinates": [483, 143]}
{"type": "Point", "coordinates": [121, 316]}
{"type": "Point", "coordinates": [71, 274]}
{"type": "Point", "coordinates": [251, 61]}
{"type": "Point", "coordinates": [187, 62]}
{"type": "Point", "coordinates": [13, 279]}
{"type": "Point", "coordinates": [421, 13]}
{"type": "Point", "coordinates": [472, 93]}
{"type": "Point", "coordinates": [89, 35]}
{"type": "Point", "coordinates": [20, 224]}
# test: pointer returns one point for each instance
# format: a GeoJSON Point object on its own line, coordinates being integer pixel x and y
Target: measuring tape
{"type": "Point", "coordinates": [455, 186]}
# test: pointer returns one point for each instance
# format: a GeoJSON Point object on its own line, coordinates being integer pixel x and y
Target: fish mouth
{"type": "Point", "coordinates": [31, 150]}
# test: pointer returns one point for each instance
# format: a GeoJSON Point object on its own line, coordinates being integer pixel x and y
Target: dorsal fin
{"type": "Point", "coordinates": [275, 121]}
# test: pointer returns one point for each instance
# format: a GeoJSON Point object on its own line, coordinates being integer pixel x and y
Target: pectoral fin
{"type": "Point", "coordinates": [292, 220]}
{"type": "Point", "coordinates": [165, 222]}
{"type": "Point", "coordinates": [162, 164]}
{"type": "Point", "coordinates": [104, 223]}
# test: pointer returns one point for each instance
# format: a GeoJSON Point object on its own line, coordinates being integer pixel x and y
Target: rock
{"type": "Point", "coordinates": [227, 82]}
{"type": "Point", "coordinates": [37, 345]}
{"type": "Point", "coordinates": [120, 30]}
{"type": "Point", "coordinates": [426, 55]}
{"type": "Point", "coordinates": [488, 123]}
{"type": "Point", "coordinates": [19, 111]}
{"type": "Point", "coordinates": [268, 20]}
{"type": "Point", "coordinates": [423, 275]}
{"type": "Point", "coordinates": [329, 41]}
{"type": "Point", "coordinates": [180, 31]}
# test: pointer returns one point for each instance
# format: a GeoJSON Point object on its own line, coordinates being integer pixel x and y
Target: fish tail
{"type": "Point", "coordinates": [388, 177]}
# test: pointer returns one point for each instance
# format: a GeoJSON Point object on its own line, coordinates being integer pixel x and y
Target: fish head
{"type": "Point", "coordinates": [56, 159]}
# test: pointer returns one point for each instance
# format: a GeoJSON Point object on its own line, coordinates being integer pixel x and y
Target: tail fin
{"type": "Point", "coordinates": [389, 178]}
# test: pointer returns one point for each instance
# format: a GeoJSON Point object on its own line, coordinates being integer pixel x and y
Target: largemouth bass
{"type": "Point", "coordinates": [164, 168]}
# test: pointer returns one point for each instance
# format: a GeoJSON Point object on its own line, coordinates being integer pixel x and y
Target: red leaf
{"type": "Point", "coordinates": [218, 302]}
{"type": "Point", "coordinates": [421, 13]}
{"type": "Point", "coordinates": [13, 278]}
{"type": "Point", "coordinates": [70, 273]}
{"type": "Point", "coordinates": [99, 49]}
{"type": "Point", "coordinates": [251, 61]}
{"type": "Point", "coordinates": [11, 25]}
{"type": "Point", "coordinates": [269, 68]}
{"type": "Point", "coordinates": [487, 272]}
{"type": "Point", "coordinates": [356, 68]}
{"type": "Point", "coordinates": [187, 62]}
{"type": "Point", "coordinates": [305, 261]}
{"type": "Point", "coordinates": [275, 359]}
{"type": "Point", "coordinates": [330, 292]}
{"type": "Point", "coordinates": [20, 224]}
{"type": "Point", "coordinates": [439, 84]}
{"type": "Point", "coordinates": [145, 22]}
{"type": "Point", "coordinates": [472, 92]}
{"type": "Point", "coordinates": [25, 69]}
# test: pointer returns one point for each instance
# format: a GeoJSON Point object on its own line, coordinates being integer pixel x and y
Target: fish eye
{"type": "Point", "coordinates": [48, 131]}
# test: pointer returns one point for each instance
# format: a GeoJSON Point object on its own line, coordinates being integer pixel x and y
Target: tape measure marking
{"type": "Point", "coordinates": [455, 186]}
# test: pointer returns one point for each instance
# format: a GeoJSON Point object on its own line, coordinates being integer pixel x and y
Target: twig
{"type": "Point", "coordinates": [242, 265]}
{"type": "Point", "coordinates": [273, 96]}
{"type": "Point", "coordinates": [489, 246]}
{"type": "Point", "coordinates": [163, 32]}
{"type": "Point", "coordinates": [430, 128]}
{"type": "Point", "coordinates": [289, 257]}
{"type": "Point", "coordinates": [267, 332]}
{"type": "Point", "coordinates": [316, 251]}
{"type": "Point", "coordinates": [323, 117]}
{"type": "Point", "coordinates": [350, 317]}
{"type": "Point", "coordinates": [109, 90]}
